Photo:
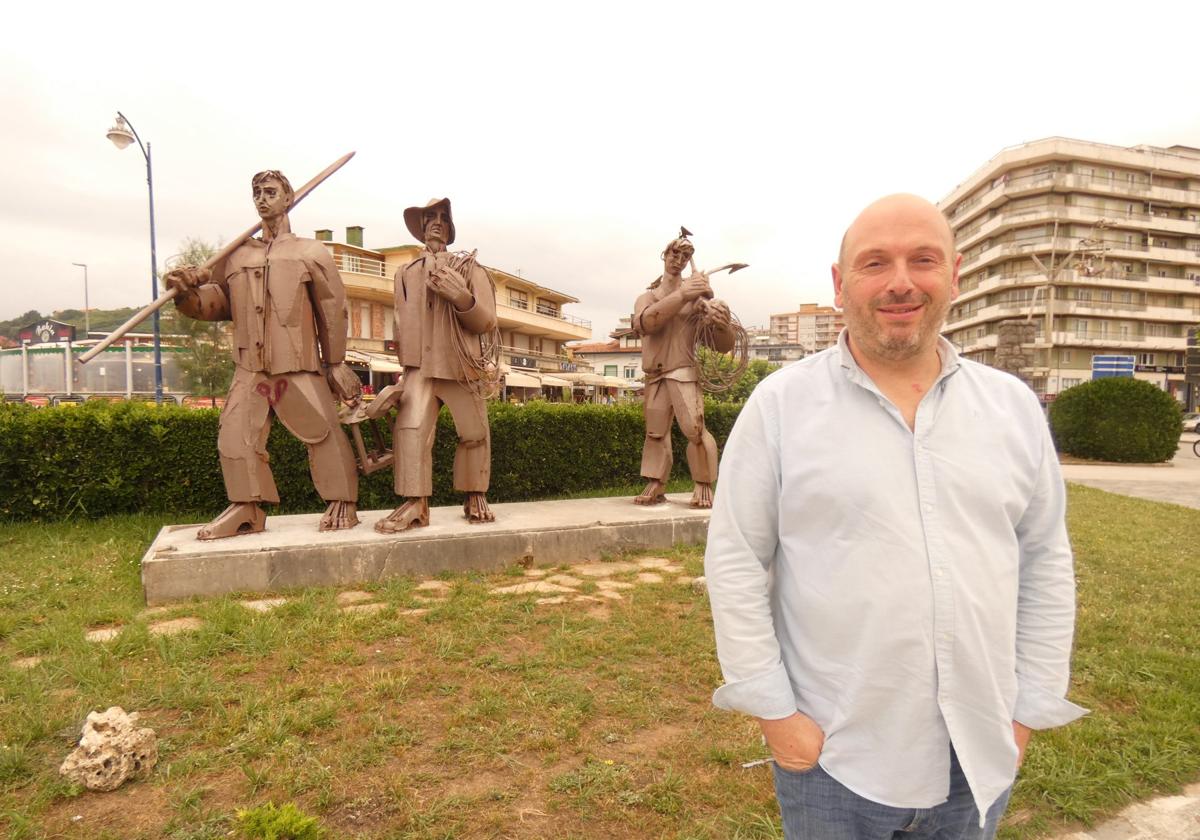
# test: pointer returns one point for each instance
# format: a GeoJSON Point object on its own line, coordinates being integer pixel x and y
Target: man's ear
{"type": "Point", "coordinates": [837, 285]}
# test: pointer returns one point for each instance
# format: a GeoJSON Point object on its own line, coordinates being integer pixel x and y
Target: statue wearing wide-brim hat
{"type": "Point", "coordinates": [413, 218]}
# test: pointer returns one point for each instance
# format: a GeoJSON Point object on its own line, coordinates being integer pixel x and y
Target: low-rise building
{"type": "Point", "coordinates": [533, 325]}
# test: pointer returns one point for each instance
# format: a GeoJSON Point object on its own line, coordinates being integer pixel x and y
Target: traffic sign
{"type": "Point", "coordinates": [1108, 366]}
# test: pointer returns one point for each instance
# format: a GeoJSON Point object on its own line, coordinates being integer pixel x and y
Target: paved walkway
{"type": "Point", "coordinates": [1167, 817]}
{"type": "Point", "coordinates": [1177, 482]}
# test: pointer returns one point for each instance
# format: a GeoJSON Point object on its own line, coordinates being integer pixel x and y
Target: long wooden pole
{"type": "Point", "coordinates": [150, 308]}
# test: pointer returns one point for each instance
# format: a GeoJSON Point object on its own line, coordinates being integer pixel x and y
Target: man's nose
{"type": "Point", "coordinates": [900, 280]}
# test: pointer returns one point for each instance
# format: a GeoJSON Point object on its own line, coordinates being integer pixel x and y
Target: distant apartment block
{"type": "Point", "coordinates": [812, 327]}
{"type": "Point", "coordinates": [1096, 246]}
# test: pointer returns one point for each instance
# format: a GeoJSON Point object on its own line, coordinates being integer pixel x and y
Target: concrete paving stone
{"type": "Point", "coordinates": [536, 573]}
{"type": "Point", "coordinates": [592, 598]}
{"type": "Point", "coordinates": [533, 586]}
{"type": "Point", "coordinates": [653, 562]}
{"type": "Point", "coordinates": [413, 611]}
{"type": "Point", "coordinates": [672, 569]}
{"type": "Point", "coordinates": [604, 569]}
{"type": "Point", "coordinates": [611, 585]}
{"type": "Point", "coordinates": [102, 634]}
{"type": "Point", "coordinates": [364, 609]}
{"type": "Point", "coordinates": [263, 605]}
{"type": "Point", "coordinates": [685, 581]}
{"type": "Point", "coordinates": [27, 662]}
{"type": "Point", "coordinates": [434, 586]}
{"type": "Point", "coordinates": [565, 580]}
{"type": "Point", "coordinates": [610, 594]}
{"type": "Point", "coordinates": [649, 577]}
{"type": "Point", "coordinates": [173, 626]}
{"type": "Point", "coordinates": [353, 596]}
{"type": "Point", "coordinates": [557, 599]}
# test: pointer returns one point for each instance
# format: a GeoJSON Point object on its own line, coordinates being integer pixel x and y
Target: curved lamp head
{"type": "Point", "coordinates": [119, 134]}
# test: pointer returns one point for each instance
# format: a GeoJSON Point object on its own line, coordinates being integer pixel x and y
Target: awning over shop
{"type": "Point", "coordinates": [377, 362]}
{"type": "Point", "coordinates": [516, 379]}
{"type": "Point", "coordinates": [633, 385]}
{"type": "Point", "coordinates": [615, 382]}
{"type": "Point", "coordinates": [554, 381]}
{"type": "Point", "coordinates": [584, 378]}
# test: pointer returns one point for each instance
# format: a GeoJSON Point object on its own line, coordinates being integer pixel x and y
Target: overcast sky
{"type": "Point", "coordinates": [573, 138]}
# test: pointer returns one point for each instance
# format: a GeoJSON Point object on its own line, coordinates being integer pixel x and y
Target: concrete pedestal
{"type": "Point", "coordinates": [292, 553]}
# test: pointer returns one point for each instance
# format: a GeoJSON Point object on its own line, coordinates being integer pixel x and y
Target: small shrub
{"type": "Point", "coordinates": [268, 822]}
{"type": "Point", "coordinates": [1117, 419]}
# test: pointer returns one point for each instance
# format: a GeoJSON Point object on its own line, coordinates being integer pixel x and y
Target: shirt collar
{"type": "Point", "coordinates": [947, 353]}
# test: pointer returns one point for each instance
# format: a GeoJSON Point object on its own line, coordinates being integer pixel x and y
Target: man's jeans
{"type": "Point", "coordinates": [817, 807]}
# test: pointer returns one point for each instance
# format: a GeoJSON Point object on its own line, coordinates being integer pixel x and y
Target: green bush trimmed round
{"type": "Point", "coordinates": [1117, 419]}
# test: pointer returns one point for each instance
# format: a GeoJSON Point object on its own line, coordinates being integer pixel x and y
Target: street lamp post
{"type": "Point", "coordinates": [86, 323]}
{"type": "Point", "coordinates": [122, 134]}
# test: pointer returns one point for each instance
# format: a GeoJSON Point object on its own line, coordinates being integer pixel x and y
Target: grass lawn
{"type": "Point", "coordinates": [493, 717]}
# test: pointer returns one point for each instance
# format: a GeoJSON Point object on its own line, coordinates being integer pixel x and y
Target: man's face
{"type": "Point", "coordinates": [896, 277]}
{"type": "Point", "coordinates": [270, 198]}
{"type": "Point", "coordinates": [676, 259]}
{"type": "Point", "coordinates": [436, 223]}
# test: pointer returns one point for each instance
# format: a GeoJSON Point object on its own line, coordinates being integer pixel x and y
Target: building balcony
{"type": "Point", "coordinates": [519, 357]}
{"type": "Point", "coordinates": [1072, 214]}
{"type": "Point", "coordinates": [1064, 182]}
{"type": "Point", "coordinates": [527, 320]}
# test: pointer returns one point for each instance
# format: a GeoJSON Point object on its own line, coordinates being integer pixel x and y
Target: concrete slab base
{"type": "Point", "coordinates": [292, 553]}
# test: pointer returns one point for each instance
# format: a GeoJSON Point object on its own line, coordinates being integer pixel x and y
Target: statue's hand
{"type": "Point", "coordinates": [344, 383]}
{"type": "Point", "coordinates": [184, 279]}
{"type": "Point", "coordinates": [717, 313]}
{"type": "Point", "coordinates": [696, 286]}
{"type": "Point", "coordinates": [451, 285]}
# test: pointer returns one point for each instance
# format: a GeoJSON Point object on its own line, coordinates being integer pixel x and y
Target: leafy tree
{"type": "Point", "coordinates": [713, 364]}
{"type": "Point", "coordinates": [207, 366]}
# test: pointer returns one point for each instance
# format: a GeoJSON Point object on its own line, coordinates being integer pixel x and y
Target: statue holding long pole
{"type": "Point", "coordinates": [285, 298]}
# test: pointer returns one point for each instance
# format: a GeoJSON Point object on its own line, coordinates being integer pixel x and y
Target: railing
{"type": "Point", "coordinates": [552, 358]}
{"type": "Point", "coordinates": [548, 312]}
{"type": "Point", "coordinates": [354, 264]}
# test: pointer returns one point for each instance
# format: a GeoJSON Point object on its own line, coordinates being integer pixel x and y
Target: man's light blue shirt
{"type": "Point", "coordinates": [905, 589]}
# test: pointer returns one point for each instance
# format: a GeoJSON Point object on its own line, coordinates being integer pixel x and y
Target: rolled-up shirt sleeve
{"type": "Point", "coordinates": [742, 542]}
{"type": "Point", "coordinates": [1045, 602]}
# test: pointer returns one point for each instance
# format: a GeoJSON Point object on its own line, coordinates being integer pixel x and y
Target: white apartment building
{"type": "Point", "coordinates": [1097, 246]}
{"type": "Point", "coordinates": [811, 326]}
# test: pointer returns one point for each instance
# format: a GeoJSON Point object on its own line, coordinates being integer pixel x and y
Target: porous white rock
{"type": "Point", "coordinates": [112, 749]}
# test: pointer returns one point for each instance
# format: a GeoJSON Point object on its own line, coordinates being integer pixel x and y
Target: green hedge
{"type": "Point", "coordinates": [106, 458]}
{"type": "Point", "coordinates": [1117, 419]}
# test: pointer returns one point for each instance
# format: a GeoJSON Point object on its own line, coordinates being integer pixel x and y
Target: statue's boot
{"type": "Point", "coordinates": [476, 509]}
{"type": "Point", "coordinates": [652, 495]}
{"type": "Point", "coordinates": [702, 495]}
{"type": "Point", "coordinates": [339, 515]}
{"type": "Point", "coordinates": [412, 514]}
{"type": "Point", "coordinates": [237, 519]}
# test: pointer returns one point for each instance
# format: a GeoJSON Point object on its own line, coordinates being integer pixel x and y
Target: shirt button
{"type": "Point", "coordinates": [937, 572]}
{"type": "Point", "coordinates": [927, 508]}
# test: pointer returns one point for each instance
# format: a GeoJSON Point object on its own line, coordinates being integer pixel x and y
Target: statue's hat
{"type": "Point", "coordinates": [412, 218]}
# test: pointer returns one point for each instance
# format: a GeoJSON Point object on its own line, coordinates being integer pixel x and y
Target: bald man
{"type": "Point", "coordinates": [893, 602]}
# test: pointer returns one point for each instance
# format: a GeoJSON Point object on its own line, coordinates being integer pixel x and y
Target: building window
{"type": "Point", "coordinates": [1064, 355]}
{"type": "Point", "coordinates": [364, 314]}
{"type": "Point", "coordinates": [389, 325]}
{"type": "Point", "coordinates": [1081, 326]}
{"type": "Point", "coordinates": [518, 299]}
{"type": "Point", "coordinates": [631, 373]}
{"type": "Point", "coordinates": [1146, 359]}
{"type": "Point", "coordinates": [1069, 383]}
{"type": "Point", "coordinates": [610, 370]}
